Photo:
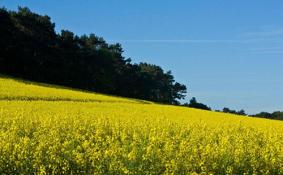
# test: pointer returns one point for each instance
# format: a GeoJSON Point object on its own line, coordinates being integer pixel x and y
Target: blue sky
{"type": "Point", "coordinates": [228, 53]}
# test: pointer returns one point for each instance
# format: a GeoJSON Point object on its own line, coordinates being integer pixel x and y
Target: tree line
{"type": "Point", "coordinates": [277, 115]}
{"type": "Point", "coordinates": [31, 49]}
{"type": "Point", "coordinates": [195, 104]}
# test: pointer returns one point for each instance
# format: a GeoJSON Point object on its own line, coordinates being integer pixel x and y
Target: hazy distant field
{"type": "Point", "coordinates": [53, 130]}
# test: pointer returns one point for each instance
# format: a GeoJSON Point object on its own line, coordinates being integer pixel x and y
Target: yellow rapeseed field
{"type": "Point", "coordinates": [52, 130]}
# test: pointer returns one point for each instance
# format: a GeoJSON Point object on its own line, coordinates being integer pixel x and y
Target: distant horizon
{"type": "Point", "coordinates": [226, 53]}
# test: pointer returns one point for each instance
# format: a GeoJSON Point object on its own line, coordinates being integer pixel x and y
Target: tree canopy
{"type": "Point", "coordinates": [194, 104]}
{"type": "Point", "coordinates": [30, 48]}
{"type": "Point", "coordinates": [278, 115]}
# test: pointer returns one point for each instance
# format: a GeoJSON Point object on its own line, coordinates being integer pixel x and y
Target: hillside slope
{"type": "Point", "coordinates": [16, 89]}
{"type": "Point", "coordinates": [55, 130]}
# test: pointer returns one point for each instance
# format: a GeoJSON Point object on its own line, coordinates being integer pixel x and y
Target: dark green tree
{"type": "Point", "coordinates": [194, 104]}
{"type": "Point", "coordinates": [31, 49]}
